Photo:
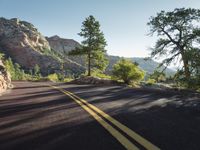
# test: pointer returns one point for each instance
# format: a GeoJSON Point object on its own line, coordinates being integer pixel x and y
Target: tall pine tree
{"type": "Point", "coordinates": [93, 45]}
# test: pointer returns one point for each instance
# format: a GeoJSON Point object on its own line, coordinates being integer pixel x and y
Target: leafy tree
{"type": "Point", "coordinates": [93, 45]}
{"type": "Point", "coordinates": [127, 71]}
{"type": "Point", "coordinates": [179, 34]}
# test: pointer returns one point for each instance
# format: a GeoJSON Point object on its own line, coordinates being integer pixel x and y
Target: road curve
{"type": "Point", "coordinates": [35, 116]}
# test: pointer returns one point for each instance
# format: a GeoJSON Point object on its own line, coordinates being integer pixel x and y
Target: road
{"type": "Point", "coordinates": [36, 116]}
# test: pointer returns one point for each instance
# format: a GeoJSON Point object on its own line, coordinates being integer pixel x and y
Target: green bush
{"type": "Point", "coordinates": [53, 77]}
{"type": "Point", "coordinates": [191, 83]}
{"type": "Point", "coordinates": [150, 81]}
{"type": "Point", "coordinates": [15, 70]}
{"type": "Point", "coordinates": [68, 79]}
{"type": "Point", "coordinates": [99, 74]}
{"type": "Point", "coordinates": [127, 71]}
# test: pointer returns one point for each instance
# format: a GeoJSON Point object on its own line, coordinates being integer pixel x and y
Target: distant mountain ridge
{"type": "Point", "coordinates": [63, 46]}
{"type": "Point", "coordinates": [148, 65]}
{"type": "Point", "coordinates": [21, 41]}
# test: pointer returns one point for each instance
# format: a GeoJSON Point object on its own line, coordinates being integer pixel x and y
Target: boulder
{"type": "Point", "coordinates": [5, 80]}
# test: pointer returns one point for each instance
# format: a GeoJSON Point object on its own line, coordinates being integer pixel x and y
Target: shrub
{"type": "Point", "coordinates": [151, 81]}
{"type": "Point", "coordinates": [99, 74]}
{"type": "Point", "coordinates": [15, 70]}
{"type": "Point", "coordinates": [68, 79]}
{"type": "Point", "coordinates": [127, 71]}
{"type": "Point", "coordinates": [53, 77]}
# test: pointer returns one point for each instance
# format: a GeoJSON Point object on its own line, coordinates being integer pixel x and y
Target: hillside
{"type": "Point", "coordinates": [26, 46]}
{"type": "Point", "coordinates": [21, 41]}
{"type": "Point", "coordinates": [63, 46]}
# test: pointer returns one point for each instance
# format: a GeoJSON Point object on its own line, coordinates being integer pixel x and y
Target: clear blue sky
{"type": "Point", "coordinates": [122, 21]}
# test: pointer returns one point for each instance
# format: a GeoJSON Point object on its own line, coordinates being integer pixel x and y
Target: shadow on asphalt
{"type": "Point", "coordinates": [169, 119]}
{"type": "Point", "coordinates": [47, 120]}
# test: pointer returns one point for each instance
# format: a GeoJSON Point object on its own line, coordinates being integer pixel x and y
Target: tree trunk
{"type": "Point", "coordinates": [186, 69]}
{"type": "Point", "coordinates": [185, 65]}
{"type": "Point", "coordinates": [89, 64]}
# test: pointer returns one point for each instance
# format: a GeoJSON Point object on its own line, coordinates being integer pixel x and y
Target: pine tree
{"type": "Point", "coordinates": [93, 45]}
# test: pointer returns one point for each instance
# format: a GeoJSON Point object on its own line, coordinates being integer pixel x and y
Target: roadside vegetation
{"type": "Point", "coordinates": [179, 37]}
{"type": "Point", "coordinates": [128, 72]}
{"type": "Point", "coordinates": [178, 33]}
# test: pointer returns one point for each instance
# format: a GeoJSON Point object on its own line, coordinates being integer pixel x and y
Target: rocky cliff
{"type": "Point", "coordinates": [63, 46]}
{"type": "Point", "coordinates": [22, 42]}
{"type": "Point", "coordinates": [5, 81]}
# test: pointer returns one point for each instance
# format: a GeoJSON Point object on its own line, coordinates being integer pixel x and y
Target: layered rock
{"type": "Point", "coordinates": [63, 46]}
{"type": "Point", "coordinates": [22, 42]}
{"type": "Point", "coordinates": [5, 80]}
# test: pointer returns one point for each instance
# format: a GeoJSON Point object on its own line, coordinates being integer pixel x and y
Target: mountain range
{"type": "Point", "coordinates": [25, 45]}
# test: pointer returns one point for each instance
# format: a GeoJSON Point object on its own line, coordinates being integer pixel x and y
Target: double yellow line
{"type": "Point", "coordinates": [101, 116]}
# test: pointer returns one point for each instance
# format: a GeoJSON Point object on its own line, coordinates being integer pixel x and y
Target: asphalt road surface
{"type": "Point", "coordinates": [36, 116]}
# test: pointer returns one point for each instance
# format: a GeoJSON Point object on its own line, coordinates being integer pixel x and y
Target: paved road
{"type": "Point", "coordinates": [35, 116]}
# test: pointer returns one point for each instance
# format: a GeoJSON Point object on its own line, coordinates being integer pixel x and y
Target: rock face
{"type": "Point", "coordinates": [5, 81]}
{"type": "Point", "coordinates": [63, 46]}
{"type": "Point", "coordinates": [22, 42]}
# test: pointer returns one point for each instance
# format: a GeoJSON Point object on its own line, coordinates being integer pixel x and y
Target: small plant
{"type": "Point", "coordinates": [53, 77]}
{"type": "Point", "coordinates": [68, 79]}
{"type": "Point", "coordinates": [99, 74]}
{"type": "Point", "coordinates": [150, 81]}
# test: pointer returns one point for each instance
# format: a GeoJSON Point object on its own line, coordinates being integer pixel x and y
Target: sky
{"type": "Point", "coordinates": [123, 22]}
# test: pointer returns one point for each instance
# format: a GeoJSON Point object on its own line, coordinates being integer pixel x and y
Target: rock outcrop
{"type": "Point", "coordinates": [63, 46]}
{"type": "Point", "coordinates": [26, 46]}
{"type": "Point", "coordinates": [5, 80]}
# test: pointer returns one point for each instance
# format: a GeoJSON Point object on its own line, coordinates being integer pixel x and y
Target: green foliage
{"type": "Point", "coordinates": [179, 34]}
{"type": "Point", "coordinates": [158, 76]}
{"type": "Point", "coordinates": [182, 81]}
{"type": "Point", "coordinates": [127, 71]}
{"type": "Point", "coordinates": [2, 56]}
{"type": "Point", "coordinates": [67, 79]}
{"type": "Point", "coordinates": [15, 70]}
{"type": "Point", "coordinates": [99, 74]}
{"type": "Point", "coordinates": [53, 53]}
{"type": "Point", "coordinates": [93, 45]}
{"type": "Point", "coordinates": [53, 77]}
{"type": "Point", "coordinates": [150, 81]}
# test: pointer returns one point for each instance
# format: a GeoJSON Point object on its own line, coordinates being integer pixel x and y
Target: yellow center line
{"type": "Point", "coordinates": [115, 133]}
{"type": "Point", "coordinates": [145, 143]}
